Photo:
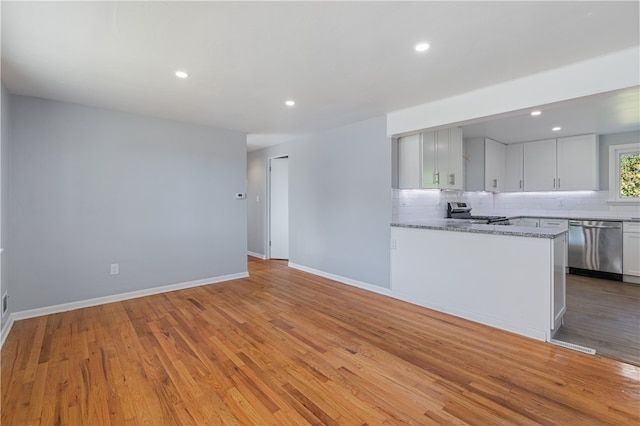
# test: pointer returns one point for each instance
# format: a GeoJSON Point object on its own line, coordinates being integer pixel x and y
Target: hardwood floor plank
{"type": "Point", "coordinates": [287, 347]}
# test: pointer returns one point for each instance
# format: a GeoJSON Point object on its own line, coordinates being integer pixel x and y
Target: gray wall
{"type": "Point", "coordinates": [605, 142]}
{"type": "Point", "coordinates": [91, 187]}
{"type": "Point", "coordinates": [4, 183]}
{"type": "Point", "coordinates": [339, 201]}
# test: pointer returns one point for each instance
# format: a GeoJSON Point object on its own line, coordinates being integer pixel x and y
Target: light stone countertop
{"type": "Point", "coordinates": [606, 219]}
{"type": "Point", "coordinates": [463, 225]}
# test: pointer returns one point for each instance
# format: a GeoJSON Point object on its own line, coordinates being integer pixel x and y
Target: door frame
{"type": "Point", "coordinates": [268, 204]}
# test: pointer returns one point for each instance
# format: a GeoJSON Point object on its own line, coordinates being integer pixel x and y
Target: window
{"type": "Point", "coordinates": [624, 173]}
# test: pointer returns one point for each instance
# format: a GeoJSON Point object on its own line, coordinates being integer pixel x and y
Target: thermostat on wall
{"type": "Point", "coordinates": [240, 195]}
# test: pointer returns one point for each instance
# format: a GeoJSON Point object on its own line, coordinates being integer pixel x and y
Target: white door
{"type": "Point", "coordinates": [279, 208]}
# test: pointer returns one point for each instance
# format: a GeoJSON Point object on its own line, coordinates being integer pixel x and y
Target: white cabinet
{"type": "Point", "coordinates": [514, 167]}
{"type": "Point", "coordinates": [409, 167]}
{"type": "Point", "coordinates": [431, 160]}
{"type": "Point", "coordinates": [560, 224]}
{"type": "Point", "coordinates": [442, 166]}
{"type": "Point", "coordinates": [578, 163]}
{"type": "Point", "coordinates": [455, 160]}
{"type": "Point", "coordinates": [494, 165]}
{"type": "Point", "coordinates": [563, 164]}
{"type": "Point", "coordinates": [631, 249]}
{"type": "Point", "coordinates": [554, 223]}
{"type": "Point", "coordinates": [526, 221]}
{"type": "Point", "coordinates": [540, 165]}
{"type": "Point", "coordinates": [485, 169]}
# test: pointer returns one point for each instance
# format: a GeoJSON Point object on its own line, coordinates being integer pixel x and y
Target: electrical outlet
{"type": "Point", "coordinates": [394, 245]}
{"type": "Point", "coordinates": [115, 268]}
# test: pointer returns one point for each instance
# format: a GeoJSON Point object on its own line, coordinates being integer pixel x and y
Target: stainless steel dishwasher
{"type": "Point", "coordinates": [595, 248]}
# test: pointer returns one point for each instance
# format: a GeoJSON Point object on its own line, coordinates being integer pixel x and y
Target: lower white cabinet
{"type": "Point", "coordinates": [561, 224]}
{"type": "Point", "coordinates": [631, 249]}
{"type": "Point", "coordinates": [526, 221]}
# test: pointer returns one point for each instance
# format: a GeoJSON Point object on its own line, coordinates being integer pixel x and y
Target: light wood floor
{"type": "Point", "coordinates": [603, 315]}
{"type": "Point", "coordinates": [284, 347]}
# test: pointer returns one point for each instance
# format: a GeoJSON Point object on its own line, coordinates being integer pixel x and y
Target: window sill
{"type": "Point", "coordinates": [635, 202]}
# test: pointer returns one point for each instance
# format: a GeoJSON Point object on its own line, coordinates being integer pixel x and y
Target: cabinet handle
{"type": "Point", "coordinates": [520, 183]}
{"type": "Point", "coordinates": [554, 182]}
{"type": "Point", "coordinates": [495, 183]}
{"type": "Point", "coordinates": [436, 177]}
{"type": "Point", "coordinates": [558, 182]}
{"type": "Point", "coordinates": [452, 179]}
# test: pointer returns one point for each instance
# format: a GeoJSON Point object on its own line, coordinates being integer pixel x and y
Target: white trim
{"type": "Point", "coordinates": [258, 255]}
{"type": "Point", "coordinates": [631, 279]}
{"type": "Point", "coordinates": [47, 310]}
{"type": "Point", "coordinates": [615, 151]}
{"type": "Point", "coordinates": [6, 328]}
{"type": "Point", "coordinates": [471, 316]}
{"type": "Point", "coordinates": [370, 287]}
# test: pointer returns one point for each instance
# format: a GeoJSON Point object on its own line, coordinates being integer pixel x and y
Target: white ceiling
{"type": "Point", "coordinates": [341, 61]}
{"type": "Point", "coordinates": [605, 113]}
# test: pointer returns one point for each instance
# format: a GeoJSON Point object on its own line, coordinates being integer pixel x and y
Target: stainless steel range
{"type": "Point", "coordinates": [462, 210]}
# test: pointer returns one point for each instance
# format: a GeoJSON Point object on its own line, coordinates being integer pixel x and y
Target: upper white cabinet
{"type": "Point", "coordinates": [514, 167]}
{"type": "Point", "coordinates": [494, 163]}
{"type": "Point", "coordinates": [540, 165]}
{"type": "Point", "coordinates": [431, 160]}
{"type": "Point", "coordinates": [442, 162]}
{"type": "Point", "coordinates": [409, 167]}
{"type": "Point", "coordinates": [578, 163]}
{"type": "Point", "coordinates": [486, 163]}
{"type": "Point", "coordinates": [563, 164]}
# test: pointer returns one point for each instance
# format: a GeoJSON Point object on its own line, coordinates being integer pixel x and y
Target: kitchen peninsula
{"type": "Point", "coordinates": [509, 277]}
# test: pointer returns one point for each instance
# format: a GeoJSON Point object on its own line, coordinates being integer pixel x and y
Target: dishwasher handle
{"type": "Point", "coordinates": [581, 224]}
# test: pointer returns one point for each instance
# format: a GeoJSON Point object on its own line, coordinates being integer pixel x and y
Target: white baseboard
{"type": "Point", "coordinates": [258, 255]}
{"type": "Point", "coordinates": [631, 279]}
{"type": "Point", "coordinates": [365, 286]}
{"type": "Point", "coordinates": [471, 316]}
{"type": "Point", "coordinates": [6, 328]}
{"type": "Point", "coordinates": [31, 313]}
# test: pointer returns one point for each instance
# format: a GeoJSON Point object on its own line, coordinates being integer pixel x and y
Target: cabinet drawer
{"type": "Point", "coordinates": [631, 227]}
{"type": "Point", "coordinates": [554, 223]}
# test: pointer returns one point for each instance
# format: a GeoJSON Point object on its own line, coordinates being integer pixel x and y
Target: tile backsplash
{"type": "Point", "coordinates": [416, 204]}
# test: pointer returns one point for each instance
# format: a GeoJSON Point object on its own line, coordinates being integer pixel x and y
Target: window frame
{"type": "Point", "coordinates": [615, 151]}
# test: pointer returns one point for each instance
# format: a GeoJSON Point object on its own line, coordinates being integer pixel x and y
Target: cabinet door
{"type": "Point", "coordinates": [514, 179]}
{"type": "Point", "coordinates": [454, 161]}
{"type": "Point", "coordinates": [578, 163]}
{"type": "Point", "coordinates": [528, 221]}
{"type": "Point", "coordinates": [540, 165]}
{"type": "Point", "coordinates": [429, 158]}
{"type": "Point", "coordinates": [409, 162]}
{"type": "Point", "coordinates": [494, 163]}
{"type": "Point", "coordinates": [631, 253]}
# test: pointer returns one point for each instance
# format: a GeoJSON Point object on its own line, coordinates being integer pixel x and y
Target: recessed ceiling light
{"type": "Point", "coordinates": [557, 129]}
{"type": "Point", "coordinates": [422, 47]}
{"type": "Point", "coordinates": [534, 113]}
{"type": "Point", "coordinates": [181, 74]}
{"type": "Point", "coordinates": [290, 103]}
